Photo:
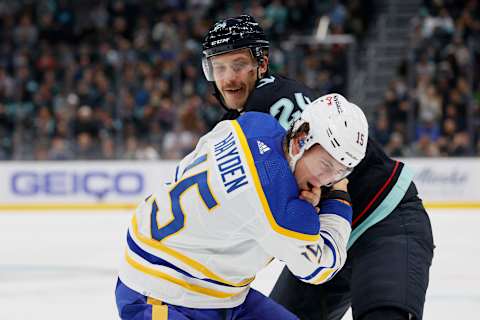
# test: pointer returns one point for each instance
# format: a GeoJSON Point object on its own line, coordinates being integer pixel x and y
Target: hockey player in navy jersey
{"type": "Point", "coordinates": [195, 245]}
{"type": "Point", "coordinates": [391, 245]}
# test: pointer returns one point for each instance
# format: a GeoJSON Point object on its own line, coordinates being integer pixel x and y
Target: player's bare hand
{"type": "Point", "coordinates": [312, 196]}
{"type": "Point", "coordinates": [341, 185]}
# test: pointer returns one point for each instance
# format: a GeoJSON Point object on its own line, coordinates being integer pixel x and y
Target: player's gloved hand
{"type": "Point", "coordinates": [312, 196]}
{"type": "Point", "coordinates": [341, 185]}
{"type": "Point", "coordinates": [338, 191]}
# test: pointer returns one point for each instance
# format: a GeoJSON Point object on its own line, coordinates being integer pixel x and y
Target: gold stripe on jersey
{"type": "Point", "coordinates": [261, 194]}
{"type": "Point", "coordinates": [189, 286]}
{"type": "Point", "coordinates": [323, 276]}
{"type": "Point", "coordinates": [159, 310]}
{"type": "Point", "coordinates": [188, 261]}
{"type": "Point", "coordinates": [154, 301]}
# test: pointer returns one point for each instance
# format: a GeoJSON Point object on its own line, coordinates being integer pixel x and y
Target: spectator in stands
{"type": "Point", "coordinates": [134, 62]}
{"type": "Point", "coordinates": [396, 146]}
{"type": "Point", "coordinates": [425, 147]}
{"type": "Point", "coordinates": [6, 134]}
{"type": "Point", "coordinates": [442, 94]}
{"type": "Point", "coordinates": [86, 149]}
{"type": "Point", "coordinates": [380, 130]}
{"type": "Point", "coordinates": [430, 104]}
{"type": "Point", "coordinates": [60, 149]}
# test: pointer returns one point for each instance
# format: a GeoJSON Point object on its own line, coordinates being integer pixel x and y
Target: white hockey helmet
{"type": "Point", "coordinates": [337, 125]}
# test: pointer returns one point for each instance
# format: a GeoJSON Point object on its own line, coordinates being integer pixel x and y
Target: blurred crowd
{"type": "Point", "coordinates": [433, 110]}
{"type": "Point", "coordinates": [122, 79]}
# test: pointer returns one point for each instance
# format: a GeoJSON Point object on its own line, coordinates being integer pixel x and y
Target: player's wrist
{"type": "Point", "coordinates": [332, 194]}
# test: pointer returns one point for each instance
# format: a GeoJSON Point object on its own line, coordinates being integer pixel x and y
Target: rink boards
{"type": "Point", "coordinates": [448, 183]}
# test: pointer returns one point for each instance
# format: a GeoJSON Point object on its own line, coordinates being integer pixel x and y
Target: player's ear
{"type": "Point", "coordinates": [298, 143]}
{"type": "Point", "coordinates": [262, 68]}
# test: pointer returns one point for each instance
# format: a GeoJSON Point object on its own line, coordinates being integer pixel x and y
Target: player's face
{"type": "Point", "coordinates": [318, 168]}
{"type": "Point", "coordinates": [235, 74]}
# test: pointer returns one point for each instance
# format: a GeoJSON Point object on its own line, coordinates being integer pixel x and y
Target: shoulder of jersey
{"type": "Point", "coordinates": [264, 136]}
{"type": "Point", "coordinates": [259, 124]}
{"type": "Point", "coordinates": [275, 82]}
{"type": "Point", "coordinates": [267, 81]}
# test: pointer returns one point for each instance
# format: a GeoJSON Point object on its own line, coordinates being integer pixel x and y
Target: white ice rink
{"type": "Point", "coordinates": [62, 265]}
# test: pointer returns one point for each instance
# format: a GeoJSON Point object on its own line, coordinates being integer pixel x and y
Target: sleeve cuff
{"type": "Point", "coordinates": [338, 207]}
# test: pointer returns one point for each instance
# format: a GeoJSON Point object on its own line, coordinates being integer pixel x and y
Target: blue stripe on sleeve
{"type": "Point", "coordinates": [176, 174]}
{"type": "Point", "coordinates": [332, 206]}
{"type": "Point", "coordinates": [337, 248]}
{"type": "Point", "coordinates": [196, 162]}
{"type": "Point", "coordinates": [317, 271]}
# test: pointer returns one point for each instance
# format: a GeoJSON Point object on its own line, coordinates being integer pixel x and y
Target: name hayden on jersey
{"type": "Point", "coordinates": [229, 164]}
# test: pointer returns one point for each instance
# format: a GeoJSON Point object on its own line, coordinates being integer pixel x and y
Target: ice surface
{"type": "Point", "coordinates": [62, 265]}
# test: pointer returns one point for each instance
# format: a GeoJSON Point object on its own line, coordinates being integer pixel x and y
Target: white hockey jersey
{"type": "Point", "coordinates": [231, 208]}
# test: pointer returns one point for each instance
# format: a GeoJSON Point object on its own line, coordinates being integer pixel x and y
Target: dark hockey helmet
{"type": "Point", "coordinates": [232, 34]}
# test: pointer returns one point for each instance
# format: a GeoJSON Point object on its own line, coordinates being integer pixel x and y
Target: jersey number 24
{"type": "Point", "coordinates": [283, 109]}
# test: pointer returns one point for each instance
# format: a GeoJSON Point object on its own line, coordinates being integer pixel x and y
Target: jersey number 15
{"type": "Point", "coordinates": [178, 221]}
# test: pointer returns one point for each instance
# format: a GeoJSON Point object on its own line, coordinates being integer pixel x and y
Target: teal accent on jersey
{"type": "Point", "coordinates": [386, 206]}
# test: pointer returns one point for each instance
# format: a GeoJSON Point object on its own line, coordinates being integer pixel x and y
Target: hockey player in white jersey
{"type": "Point", "coordinates": [234, 204]}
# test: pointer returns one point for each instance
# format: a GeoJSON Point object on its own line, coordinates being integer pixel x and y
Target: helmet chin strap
{"type": "Point", "coordinates": [293, 159]}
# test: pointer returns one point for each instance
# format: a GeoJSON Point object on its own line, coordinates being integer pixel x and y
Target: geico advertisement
{"type": "Point", "coordinates": [439, 181]}
{"type": "Point", "coordinates": [95, 181]}
{"type": "Point", "coordinates": [446, 179]}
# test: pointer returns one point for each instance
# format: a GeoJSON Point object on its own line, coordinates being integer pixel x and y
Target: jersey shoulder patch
{"type": "Point", "coordinates": [265, 81]}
